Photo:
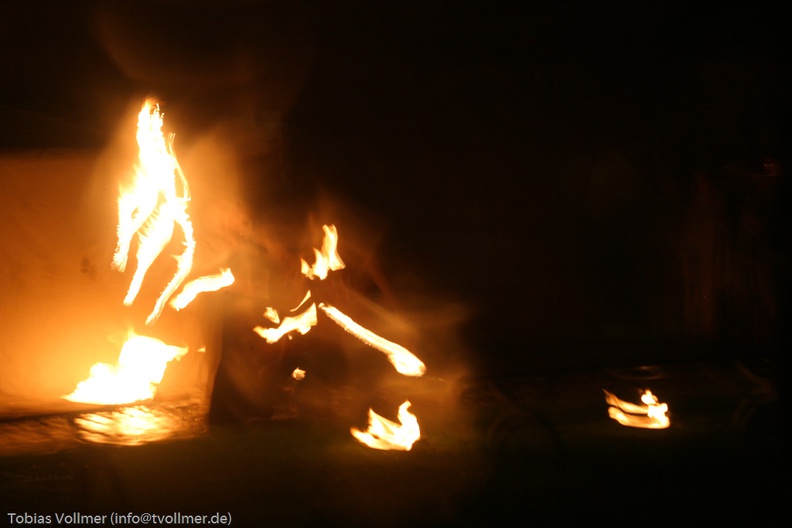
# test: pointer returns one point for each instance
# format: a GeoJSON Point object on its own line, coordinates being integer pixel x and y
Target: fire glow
{"type": "Point", "coordinates": [650, 415]}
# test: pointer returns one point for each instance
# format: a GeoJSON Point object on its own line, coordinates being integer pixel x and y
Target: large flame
{"type": "Point", "coordinates": [140, 368]}
{"type": "Point", "coordinates": [650, 415]}
{"type": "Point", "coordinates": [387, 435]}
{"type": "Point", "coordinates": [151, 206]}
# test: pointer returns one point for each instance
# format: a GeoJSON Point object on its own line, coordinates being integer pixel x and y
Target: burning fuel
{"type": "Point", "coordinates": [650, 415]}
{"type": "Point", "coordinates": [139, 369]}
{"type": "Point", "coordinates": [387, 435]}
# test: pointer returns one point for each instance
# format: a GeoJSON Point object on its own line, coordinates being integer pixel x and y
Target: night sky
{"type": "Point", "coordinates": [535, 162]}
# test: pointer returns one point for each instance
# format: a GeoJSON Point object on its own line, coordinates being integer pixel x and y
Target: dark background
{"type": "Point", "coordinates": [542, 164]}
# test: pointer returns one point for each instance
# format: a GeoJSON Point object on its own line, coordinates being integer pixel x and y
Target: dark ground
{"type": "Point", "coordinates": [502, 450]}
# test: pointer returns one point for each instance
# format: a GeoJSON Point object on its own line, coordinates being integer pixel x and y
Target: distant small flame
{"type": "Point", "coordinates": [298, 374]}
{"type": "Point", "coordinates": [387, 435]}
{"type": "Point", "coordinates": [151, 207]}
{"type": "Point", "coordinates": [650, 415]}
{"type": "Point", "coordinates": [327, 259]}
{"type": "Point", "coordinates": [140, 368]}
{"type": "Point", "coordinates": [200, 285]}
{"type": "Point", "coordinates": [405, 361]}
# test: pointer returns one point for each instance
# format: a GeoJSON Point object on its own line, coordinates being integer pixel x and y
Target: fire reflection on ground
{"type": "Point", "coordinates": [141, 424]}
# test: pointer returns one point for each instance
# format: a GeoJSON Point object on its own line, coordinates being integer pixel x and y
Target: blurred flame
{"type": "Point", "coordinates": [387, 435]}
{"type": "Point", "coordinates": [140, 368]}
{"type": "Point", "coordinates": [298, 374]}
{"type": "Point", "coordinates": [650, 415]}
{"type": "Point", "coordinates": [327, 259]}
{"type": "Point", "coordinates": [301, 323]}
{"type": "Point", "coordinates": [151, 206]}
{"type": "Point", "coordinates": [200, 285]}
{"type": "Point", "coordinates": [405, 362]}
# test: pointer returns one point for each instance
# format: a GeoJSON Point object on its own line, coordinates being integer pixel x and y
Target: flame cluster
{"type": "Point", "coordinates": [382, 433]}
{"type": "Point", "coordinates": [650, 415]}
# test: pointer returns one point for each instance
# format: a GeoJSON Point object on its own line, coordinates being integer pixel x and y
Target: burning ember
{"type": "Point", "coordinates": [387, 435]}
{"type": "Point", "coordinates": [650, 415]}
{"type": "Point", "coordinates": [140, 368]}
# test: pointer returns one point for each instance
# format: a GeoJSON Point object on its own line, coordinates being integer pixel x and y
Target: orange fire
{"type": "Point", "coordinates": [154, 203]}
{"type": "Point", "coordinates": [382, 433]}
{"type": "Point", "coordinates": [650, 415]}
{"type": "Point", "coordinates": [405, 361]}
{"type": "Point", "coordinates": [140, 368]}
{"type": "Point", "coordinates": [327, 259]}
{"type": "Point", "coordinates": [201, 285]}
{"type": "Point", "coordinates": [387, 435]}
{"type": "Point", "coordinates": [300, 323]}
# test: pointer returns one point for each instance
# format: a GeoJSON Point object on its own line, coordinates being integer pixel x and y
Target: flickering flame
{"type": "Point", "coordinates": [650, 415]}
{"type": "Point", "coordinates": [300, 323]}
{"type": "Point", "coordinates": [140, 368]}
{"type": "Point", "coordinates": [405, 361]}
{"type": "Point", "coordinates": [272, 315]}
{"type": "Point", "coordinates": [200, 285]}
{"type": "Point", "coordinates": [327, 259]}
{"type": "Point", "coordinates": [298, 374]}
{"type": "Point", "coordinates": [154, 203]}
{"type": "Point", "coordinates": [387, 435]}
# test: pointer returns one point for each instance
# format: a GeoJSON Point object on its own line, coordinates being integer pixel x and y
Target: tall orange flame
{"type": "Point", "coordinates": [151, 207]}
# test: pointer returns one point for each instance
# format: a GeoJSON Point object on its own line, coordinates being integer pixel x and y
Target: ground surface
{"type": "Point", "coordinates": [499, 450]}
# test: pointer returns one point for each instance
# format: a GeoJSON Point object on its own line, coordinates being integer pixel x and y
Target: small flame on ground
{"type": "Point", "coordinates": [151, 207]}
{"type": "Point", "coordinates": [200, 285]}
{"type": "Point", "coordinates": [327, 259]}
{"type": "Point", "coordinates": [271, 314]}
{"type": "Point", "coordinates": [140, 368]}
{"type": "Point", "coordinates": [298, 374]}
{"type": "Point", "coordinates": [387, 435]}
{"type": "Point", "coordinates": [650, 415]}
